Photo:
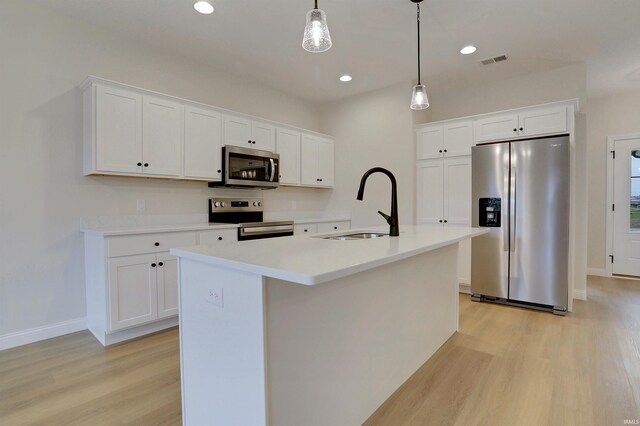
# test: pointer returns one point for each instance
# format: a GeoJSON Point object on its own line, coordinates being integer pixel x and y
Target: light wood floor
{"type": "Point", "coordinates": [507, 366]}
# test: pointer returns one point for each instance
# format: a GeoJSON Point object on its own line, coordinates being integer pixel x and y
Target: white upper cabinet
{"type": "Point", "coordinates": [203, 144]}
{"type": "Point", "coordinates": [118, 147]}
{"type": "Point", "coordinates": [162, 136]}
{"type": "Point", "coordinates": [288, 146]}
{"type": "Point", "coordinates": [134, 132]}
{"type": "Point", "coordinates": [498, 127]}
{"type": "Point", "coordinates": [530, 122]}
{"type": "Point", "coordinates": [448, 139]}
{"type": "Point", "coordinates": [317, 161]}
{"type": "Point", "coordinates": [245, 133]}
{"type": "Point", "coordinates": [430, 142]}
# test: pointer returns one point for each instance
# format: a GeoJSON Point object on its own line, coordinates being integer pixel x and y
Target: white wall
{"type": "Point", "coordinates": [374, 129]}
{"type": "Point", "coordinates": [608, 116]}
{"type": "Point", "coordinates": [556, 85]}
{"type": "Point", "coordinates": [43, 194]}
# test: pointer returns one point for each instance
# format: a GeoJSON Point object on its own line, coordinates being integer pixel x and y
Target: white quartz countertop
{"type": "Point", "coordinates": [309, 260]}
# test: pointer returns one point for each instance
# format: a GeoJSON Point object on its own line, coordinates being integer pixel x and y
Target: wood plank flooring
{"type": "Point", "coordinates": [506, 366]}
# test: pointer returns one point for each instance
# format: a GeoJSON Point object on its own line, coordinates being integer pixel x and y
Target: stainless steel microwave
{"type": "Point", "coordinates": [249, 168]}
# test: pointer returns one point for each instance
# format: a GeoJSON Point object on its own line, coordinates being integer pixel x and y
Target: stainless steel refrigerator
{"type": "Point", "coordinates": [521, 192]}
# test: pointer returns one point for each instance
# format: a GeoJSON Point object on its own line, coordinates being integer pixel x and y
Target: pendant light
{"type": "Point", "coordinates": [419, 99]}
{"type": "Point", "coordinates": [316, 33]}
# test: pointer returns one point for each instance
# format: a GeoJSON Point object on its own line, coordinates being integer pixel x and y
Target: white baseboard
{"type": "Point", "coordinates": [580, 294]}
{"type": "Point", "coordinates": [464, 288]}
{"type": "Point", "coordinates": [32, 335]}
{"type": "Point", "coordinates": [598, 272]}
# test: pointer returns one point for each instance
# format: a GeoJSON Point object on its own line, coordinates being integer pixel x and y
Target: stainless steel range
{"type": "Point", "coordinates": [248, 213]}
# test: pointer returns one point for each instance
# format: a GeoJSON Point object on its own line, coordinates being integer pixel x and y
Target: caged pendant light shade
{"type": "Point", "coordinates": [316, 33]}
{"type": "Point", "coordinates": [419, 99]}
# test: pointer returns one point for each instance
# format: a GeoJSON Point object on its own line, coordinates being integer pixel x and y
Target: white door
{"type": "Point", "coordinates": [202, 144]}
{"type": "Point", "coordinates": [263, 136]}
{"type": "Point", "coordinates": [457, 191]}
{"type": "Point", "coordinates": [288, 146]}
{"type": "Point", "coordinates": [237, 131]}
{"type": "Point", "coordinates": [167, 282]}
{"type": "Point", "coordinates": [118, 131]}
{"type": "Point", "coordinates": [132, 291]}
{"type": "Point", "coordinates": [626, 215]}
{"type": "Point", "coordinates": [458, 138]}
{"type": "Point", "coordinates": [430, 142]}
{"type": "Point", "coordinates": [325, 162]}
{"type": "Point", "coordinates": [162, 136]}
{"type": "Point", "coordinates": [496, 127]}
{"type": "Point", "coordinates": [309, 161]}
{"type": "Point", "coordinates": [543, 121]}
{"type": "Point", "coordinates": [430, 185]}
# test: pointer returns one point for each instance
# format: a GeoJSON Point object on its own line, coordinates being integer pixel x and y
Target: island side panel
{"type": "Point", "coordinates": [221, 346]}
{"type": "Point", "coordinates": [336, 351]}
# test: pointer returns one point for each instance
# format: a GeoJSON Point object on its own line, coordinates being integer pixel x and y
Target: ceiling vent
{"type": "Point", "coordinates": [494, 60]}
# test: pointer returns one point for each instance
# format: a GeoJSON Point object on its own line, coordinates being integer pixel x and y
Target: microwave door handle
{"type": "Point", "coordinates": [273, 169]}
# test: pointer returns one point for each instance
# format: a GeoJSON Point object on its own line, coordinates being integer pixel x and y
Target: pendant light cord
{"type": "Point", "coordinates": [418, 5]}
{"type": "Point", "coordinates": [316, 5]}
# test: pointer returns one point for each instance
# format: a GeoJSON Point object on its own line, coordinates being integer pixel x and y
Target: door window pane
{"type": "Point", "coordinates": [634, 196]}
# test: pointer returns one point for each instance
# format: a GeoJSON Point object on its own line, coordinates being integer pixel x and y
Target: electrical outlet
{"type": "Point", "coordinates": [215, 296]}
{"type": "Point", "coordinates": [140, 205]}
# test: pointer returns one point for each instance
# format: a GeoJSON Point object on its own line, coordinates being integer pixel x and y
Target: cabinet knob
{"type": "Point", "coordinates": [146, 164]}
{"type": "Point", "coordinates": [254, 142]}
{"type": "Point", "coordinates": [441, 221]}
{"type": "Point", "coordinates": [139, 164]}
{"type": "Point", "coordinates": [219, 238]}
{"type": "Point", "coordinates": [153, 265]}
{"type": "Point", "coordinates": [219, 171]}
{"type": "Point", "coordinates": [335, 227]}
{"type": "Point", "coordinates": [160, 263]}
{"type": "Point", "coordinates": [320, 180]}
{"type": "Point", "coordinates": [306, 230]}
{"type": "Point", "coordinates": [515, 130]}
{"type": "Point", "coordinates": [445, 150]}
{"type": "Point", "coordinates": [248, 141]}
{"type": "Point", "coordinates": [521, 129]}
{"type": "Point", "coordinates": [440, 151]}
{"type": "Point", "coordinates": [156, 244]}
{"type": "Point", "coordinates": [445, 221]}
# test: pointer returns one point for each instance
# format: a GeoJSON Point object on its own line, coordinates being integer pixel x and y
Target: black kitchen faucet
{"type": "Point", "coordinates": [394, 228]}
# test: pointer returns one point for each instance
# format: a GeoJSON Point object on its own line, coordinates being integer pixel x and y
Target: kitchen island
{"type": "Point", "coordinates": [310, 331]}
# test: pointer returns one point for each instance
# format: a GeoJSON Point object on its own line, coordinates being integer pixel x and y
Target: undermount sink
{"type": "Point", "coordinates": [356, 236]}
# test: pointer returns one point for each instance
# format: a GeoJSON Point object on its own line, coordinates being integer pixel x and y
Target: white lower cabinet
{"type": "Point", "coordinates": [132, 283]}
{"type": "Point", "coordinates": [218, 236]}
{"type": "Point", "coordinates": [321, 227]}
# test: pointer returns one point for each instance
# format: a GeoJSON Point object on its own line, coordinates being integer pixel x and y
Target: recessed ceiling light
{"type": "Point", "coordinates": [203, 7]}
{"type": "Point", "coordinates": [467, 50]}
{"type": "Point", "coordinates": [346, 78]}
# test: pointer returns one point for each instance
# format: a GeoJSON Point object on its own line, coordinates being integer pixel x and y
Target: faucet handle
{"type": "Point", "coordinates": [386, 217]}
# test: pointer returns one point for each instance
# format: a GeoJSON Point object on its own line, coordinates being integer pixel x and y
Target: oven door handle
{"type": "Point", "coordinates": [273, 169]}
{"type": "Point", "coordinates": [264, 230]}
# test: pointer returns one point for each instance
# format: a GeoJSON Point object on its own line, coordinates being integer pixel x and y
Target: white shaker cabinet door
{"type": "Point", "coordinates": [237, 132]}
{"type": "Point", "coordinates": [118, 131]}
{"type": "Point", "coordinates": [457, 191]}
{"type": "Point", "coordinates": [263, 136]}
{"type": "Point", "coordinates": [162, 136]}
{"type": "Point", "coordinates": [288, 146]}
{"type": "Point", "coordinates": [430, 186]}
{"type": "Point", "coordinates": [543, 121]}
{"type": "Point", "coordinates": [309, 161]}
{"type": "Point", "coordinates": [203, 144]}
{"type": "Point", "coordinates": [132, 291]}
{"type": "Point", "coordinates": [458, 138]}
{"type": "Point", "coordinates": [325, 162]}
{"type": "Point", "coordinates": [503, 126]}
{"type": "Point", "coordinates": [430, 142]}
{"type": "Point", "coordinates": [167, 283]}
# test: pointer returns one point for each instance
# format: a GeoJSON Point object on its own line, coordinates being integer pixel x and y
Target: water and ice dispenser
{"type": "Point", "coordinates": [489, 212]}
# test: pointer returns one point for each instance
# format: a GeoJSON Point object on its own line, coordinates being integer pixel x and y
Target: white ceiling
{"type": "Point", "coordinates": [375, 40]}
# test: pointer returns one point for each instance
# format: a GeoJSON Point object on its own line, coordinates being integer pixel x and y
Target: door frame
{"type": "Point", "coordinates": [611, 141]}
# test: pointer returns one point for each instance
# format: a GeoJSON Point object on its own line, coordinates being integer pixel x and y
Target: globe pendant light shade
{"type": "Point", "coordinates": [419, 99]}
{"type": "Point", "coordinates": [316, 33]}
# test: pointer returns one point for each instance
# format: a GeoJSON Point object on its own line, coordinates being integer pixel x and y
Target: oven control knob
{"type": "Point", "coordinates": [259, 203]}
{"type": "Point", "coordinates": [255, 204]}
{"type": "Point", "coordinates": [222, 204]}
{"type": "Point", "coordinates": [216, 204]}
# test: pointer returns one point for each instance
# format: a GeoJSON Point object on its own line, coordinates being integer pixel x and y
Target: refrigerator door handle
{"type": "Point", "coordinates": [505, 227]}
{"type": "Point", "coordinates": [512, 213]}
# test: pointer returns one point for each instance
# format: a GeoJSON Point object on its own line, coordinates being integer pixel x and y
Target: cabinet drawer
{"type": "Point", "coordinates": [149, 243]}
{"type": "Point", "coordinates": [218, 236]}
{"type": "Point", "coordinates": [333, 226]}
{"type": "Point", "coordinates": [307, 228]}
